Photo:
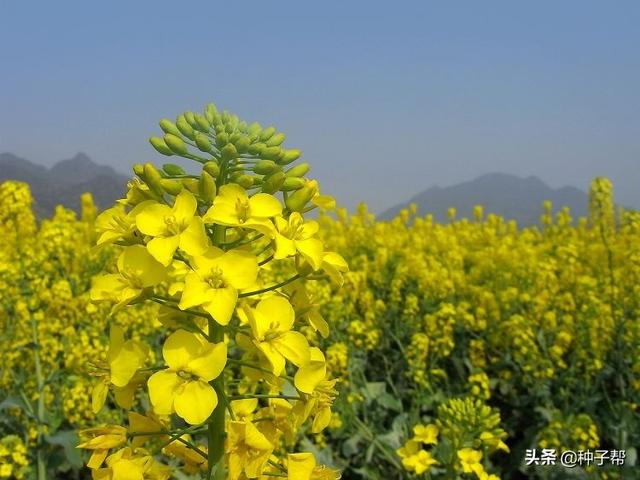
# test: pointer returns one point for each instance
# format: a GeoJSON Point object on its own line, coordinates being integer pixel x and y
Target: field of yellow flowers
{"type": "Point", "coordinates": [443, 351]}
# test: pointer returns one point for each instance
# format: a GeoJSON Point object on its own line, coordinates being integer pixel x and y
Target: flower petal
{"type": "Point", "coordinates": [196, 402]}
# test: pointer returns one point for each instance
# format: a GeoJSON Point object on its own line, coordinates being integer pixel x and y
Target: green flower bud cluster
{"type": "Point", "coordinates": [250, 155]}
{"type": "Point", "coordinates": [464, 420]}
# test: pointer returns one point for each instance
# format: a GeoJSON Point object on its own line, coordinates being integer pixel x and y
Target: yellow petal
{"type": "Point", "coordinates": [293, 346]}
{"type": "Point", "coordinates": [181, 348]}
{"type": "Point", "coordinates": [150, 220]}
{"type": "Point", "coordinates": [138, 262]}
{"type": "Point", "coordinates": [126, 362]}
{"type": "Point", "coordinates": [124, 396]}
{"type": "Point", "coordinates": [273, 356]}
{"type": "Point", "coordinates": [264, 205]}
{"type": "Point", "coordinates": [163, 248]}
{"type": "Point", "coordinates": [275, 310]}
{"type": "Point", "coordinates": [321, 420]}
{"type": "Point", "coordinates": [196, 402]}
{"type": "Point", "coordinates": [194, 240]}
{"type": "Point", "coordinates": [300, 466]}
{"type": "Point", "coordinates": [222, 304]}
{"type": "Point", "coordinates": [312, 373]}
{"type": "Point", "coordinates": [106, 287]}
{"type": "Point", "coordinates": [99, 396]}
{"type": "Point", "coordinates": [284, 247]}
{"type": "Point", "coordinates": [210, 362]}
{"type": "Point", "coordinates": [184, 207]}
{"type": "Point", "coordinates": [195, 292]}
{"type": "Point", "coordinates": [311, 250]}
{"type": "Point", "coordinates": [162, 390]}
{"type": "Point", "coordinates": [239, 269]}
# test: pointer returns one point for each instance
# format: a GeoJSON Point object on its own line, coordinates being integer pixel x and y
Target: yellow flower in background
{"type": "Point", "coordinates": [183, 387]}
{"type": "Point", "coordinates": [427, 434]}
{"type": "Point", "coordinates": [271, 323]}
{"type": "Point", "coordinates": [137, 270]}
{"type": "Point", "coordinates": [215, 281]}
{"type": "Point", "coordinates": [415, 459]}
{"type": "Point", "coordinates": [494, 441]}
{"type": "Point", "coordinates": [295, 236]}
{"type": "Point", "coordinates": [234, 208]}
{"type": "Point", "coordinates": [173, 227]}
{"type": "Point", "coordinates": [247, 449]}
{"type": "Point", "coordinates": [470, 460]}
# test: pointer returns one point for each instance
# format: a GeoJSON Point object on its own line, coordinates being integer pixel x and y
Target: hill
{"type": "Point", "coordinates": [507, 195]}
{"type": "Point", "coordinates": [63, 183]}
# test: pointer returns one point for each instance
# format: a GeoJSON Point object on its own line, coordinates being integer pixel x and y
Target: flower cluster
{"type": "Point", "coordinates": [226, 254]}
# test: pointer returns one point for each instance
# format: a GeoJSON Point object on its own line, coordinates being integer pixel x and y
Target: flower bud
{"type": "Point", "coordinates": [297, 201]}
{"type": "Point", "coordinates": [173, 169]}
{"type": "Point", "coordinates": [242, 144]}
{"type": "Point", "coordinates": [171, 186]}
{"type": "Point", "coordinates": [267, 133]}
{"type": "Point", "coordinates": [256, 148]}
{"type": "Point", "coordinates": [202, 142]}
{"type": "Point", "coordinates": [153, 178]}
{"type": "Point", "coordinates": [265, 167]}
{"type": "Point", "coordinates": [211, 112]}
{"type": "Point", "coordinates": [229, 152]}
{"type": "Point", "coordinates": [138, 169]}
{"type": "Point", "coordinates": [202, 123]}
{"type": "Point", "coordinates": [212, 168]}
{"type": "Point", "coordinates": [222, 139]}
{"type": "Point", "coordinates": [293, 183]}
{"type": "Point", "coordinates": [190, 118]}
{"type": "Point", "coordinates": [272, 183]}
{"type": "Point", "coordinates": [160, 146]}
{"type": "Point", "coordinates": [168, 126]}
{"type": "Point", "coordinates": [206, 187]}
{"type": "Point", "coordinates": [289, 156]}
{"type": "Point", "coordinates": [242, 179]}
{"type": "Point", "coordinates": [255, 128]}
{"type": "Point", "coordinates": [271, 153]}
{"type": "Point", "coordinates": [276, 140]}
{"type": "Point", "coordinates": [191, 184]}
{"type": "Point", "coordinates": [184, 127]}
{"type": "Point", "coordinates": [176, 144]}
{"type": "Point", "coordinates": [299, 170]}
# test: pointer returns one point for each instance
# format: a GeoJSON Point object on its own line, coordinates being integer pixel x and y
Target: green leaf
{"type": "Point", "coordinates": [67, 439]}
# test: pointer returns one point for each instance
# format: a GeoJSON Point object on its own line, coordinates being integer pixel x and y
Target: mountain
{"type": "Point", "coordinates": [63, 183]}
{"type": "Point", "coordinates": [507, 195]}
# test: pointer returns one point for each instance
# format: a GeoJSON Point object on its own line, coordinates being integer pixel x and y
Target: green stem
{"type": "Point", "coordinates": [216, 424]}
{"type": "Point", "coordinates": [271, 288]}
{"type": "Point", "coordinates": [41, 462]}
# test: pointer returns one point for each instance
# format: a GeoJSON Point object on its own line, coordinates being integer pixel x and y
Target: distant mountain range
{"type": "Point", "coordinates": [510, 196]}
{"type": "Point", "coordinates": [507, 195]}
{"type": "Point", "coordinates": [63, 183]}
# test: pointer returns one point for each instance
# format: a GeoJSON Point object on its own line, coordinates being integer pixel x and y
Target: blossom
{"type": "Point", "coordinates": [234, 208]}
{"type": "Point", "coordinates": [215, 280]}
{"type": "Point", "coordinates": [183, 387]}
{"type": "Point", "coordinates": [173, 227]}
{"type": "Point", "coordinates": [137, 270]}
{"type": "Point", "coordinates": [271, 322]}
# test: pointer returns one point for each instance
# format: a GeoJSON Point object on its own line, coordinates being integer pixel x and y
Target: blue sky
{"type": "Point", "coordinates": [384, 99]}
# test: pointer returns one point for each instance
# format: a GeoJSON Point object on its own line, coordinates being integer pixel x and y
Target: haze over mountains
{"type": "Point", "coordinates": [63, 183]}
{"type": "Point", "coordinates": [507, 195]}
